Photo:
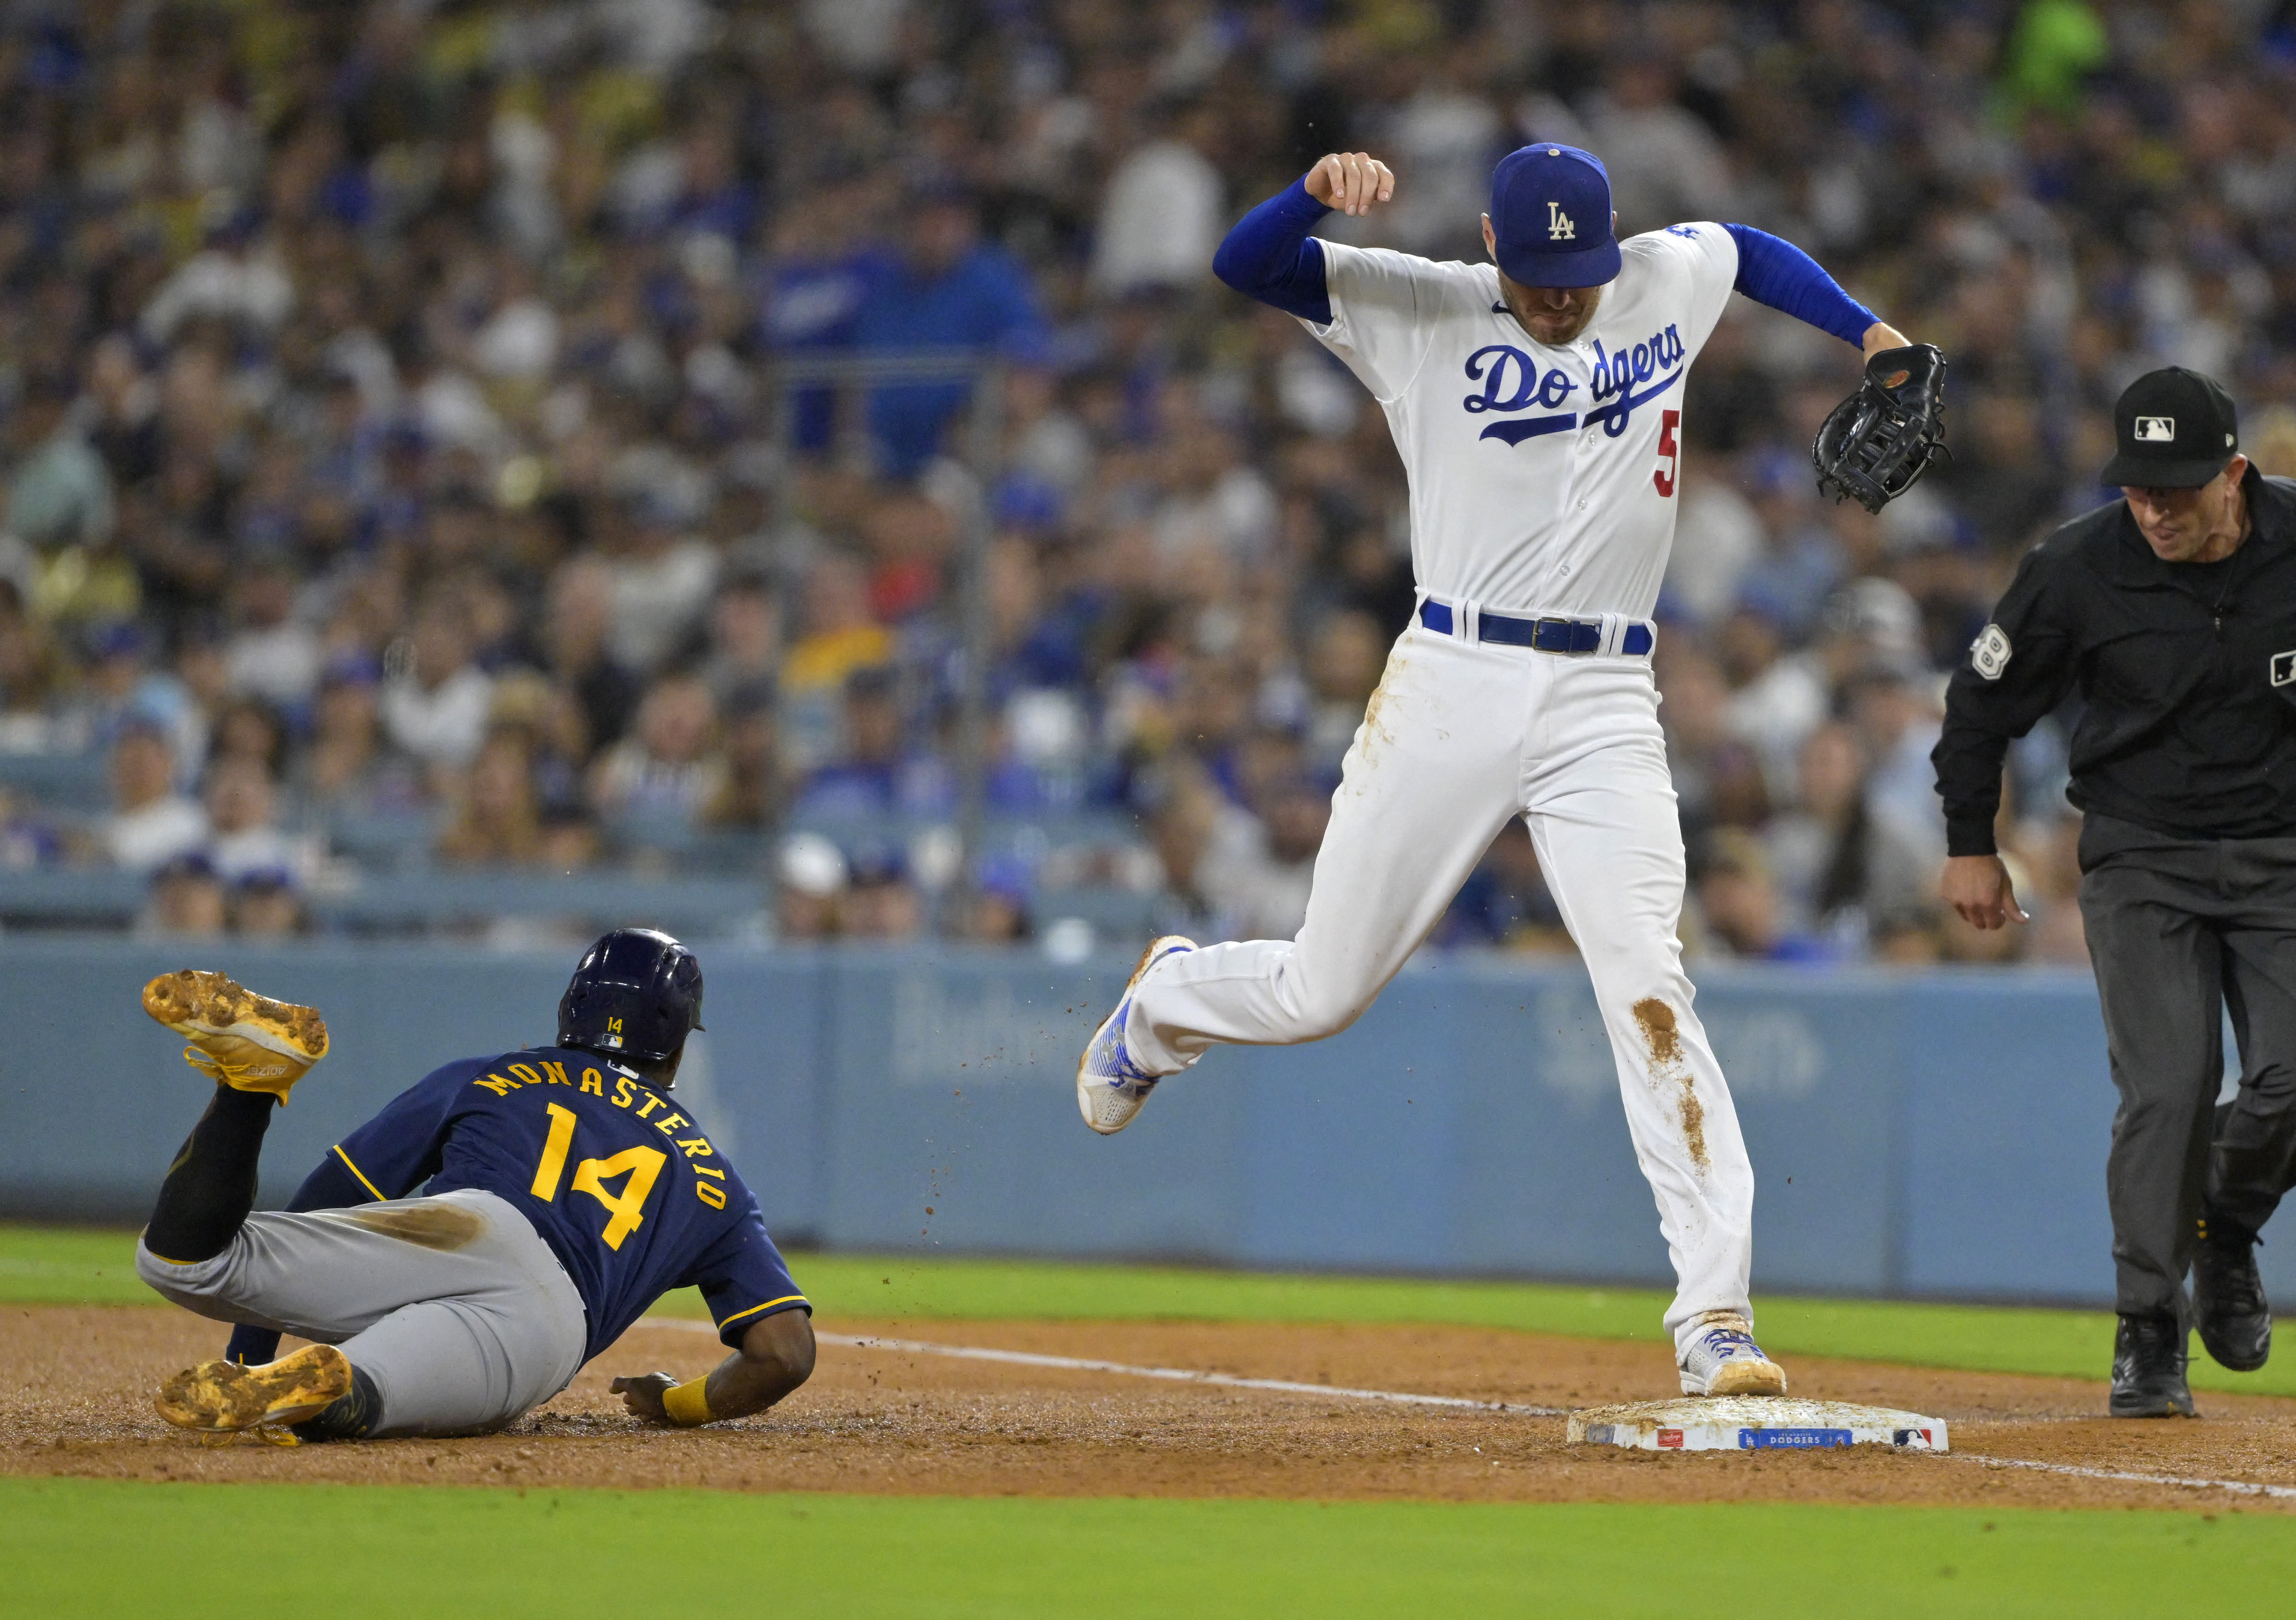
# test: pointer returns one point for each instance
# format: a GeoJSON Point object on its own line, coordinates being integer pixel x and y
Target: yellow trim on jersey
{"type": "Point", "coordinates": [354, 1169]}
{"type": "Point", "coordinates": [768, 1305]}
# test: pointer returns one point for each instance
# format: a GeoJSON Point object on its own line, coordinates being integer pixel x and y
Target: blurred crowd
{"type": "Point", "coordinates": [401, 473]}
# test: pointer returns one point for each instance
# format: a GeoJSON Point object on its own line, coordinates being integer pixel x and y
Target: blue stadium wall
{"type": "Point", "coordinates": [1939, 1134]}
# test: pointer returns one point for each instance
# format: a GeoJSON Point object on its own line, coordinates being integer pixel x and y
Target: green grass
{"type": "Point", "coordinates": [100, 1547]}
{"type": "Point", "coordinates": [65, 1265]}
{"type": "Point", "coordinates": [69, 1265]}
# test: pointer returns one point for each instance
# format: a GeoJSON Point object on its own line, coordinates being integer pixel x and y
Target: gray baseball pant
{"type": "Point", "coordinates": [2183, 931]}
{"type": "Point", "coordinates": [454, 1305]}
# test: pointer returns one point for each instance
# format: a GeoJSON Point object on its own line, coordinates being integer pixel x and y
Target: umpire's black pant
{"type": "Point", "coordinates": [2182, 930]}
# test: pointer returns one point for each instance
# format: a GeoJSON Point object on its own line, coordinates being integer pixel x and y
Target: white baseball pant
{"type": "Point", "coordinates": [1459, 737]}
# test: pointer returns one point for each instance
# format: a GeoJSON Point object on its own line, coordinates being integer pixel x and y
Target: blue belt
{"type": "Point", "coordinates": [1575, 638]}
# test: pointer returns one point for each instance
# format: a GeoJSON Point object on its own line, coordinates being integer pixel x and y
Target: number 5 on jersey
{"type": "Point", "coordinates": [1669, 451]}
{"type": "Point", "coordinates": [626, 1211]}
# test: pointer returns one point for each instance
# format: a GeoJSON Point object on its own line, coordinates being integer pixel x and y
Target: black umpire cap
{"type": "Point", "coordinates": [2176, 429]}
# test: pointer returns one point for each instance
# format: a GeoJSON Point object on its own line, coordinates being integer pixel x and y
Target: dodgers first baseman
{"type": "Point", "coordinates": [1537, 405]}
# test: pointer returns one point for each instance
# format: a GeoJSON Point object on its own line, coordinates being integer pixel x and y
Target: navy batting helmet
{"type": "Point", "coordinates": [635, 994]}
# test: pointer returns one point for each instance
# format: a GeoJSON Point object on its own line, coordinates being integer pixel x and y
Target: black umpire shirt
{"type": "Point", "coordinates": [2186, 673]}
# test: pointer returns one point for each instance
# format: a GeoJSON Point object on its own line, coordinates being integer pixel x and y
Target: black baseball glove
{"type": "Point", "coordinates": [1876, 442]}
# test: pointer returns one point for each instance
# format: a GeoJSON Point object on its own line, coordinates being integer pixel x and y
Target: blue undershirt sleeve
{"type": "Point", "coordinates": [1773, 271]}
{"type": "Point", "coordinates": [1269, 256]}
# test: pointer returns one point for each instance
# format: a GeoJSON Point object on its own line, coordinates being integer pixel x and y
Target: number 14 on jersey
{"type": "Point", "coordinates": [626, 1210]}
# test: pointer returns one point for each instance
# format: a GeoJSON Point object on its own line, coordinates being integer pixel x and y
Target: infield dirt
{"type": "Point", "coordinates": [76, 1387]}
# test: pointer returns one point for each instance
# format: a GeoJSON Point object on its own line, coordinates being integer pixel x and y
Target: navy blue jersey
{"type": "Point", "coordinates": [622, 1185]}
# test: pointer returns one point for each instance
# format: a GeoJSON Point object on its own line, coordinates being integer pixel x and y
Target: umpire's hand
{"type": "Point", "coordinates": [1977, 887]}
{"type": "Point", "coordinates": [1350, 181]}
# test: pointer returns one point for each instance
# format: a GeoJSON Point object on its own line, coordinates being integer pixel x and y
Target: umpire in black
{"type": "Point", "coordinates": [2171, 615]}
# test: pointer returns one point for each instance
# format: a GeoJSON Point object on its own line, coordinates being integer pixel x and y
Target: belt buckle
{"type": "Point", "coordinates": [1565, 633]}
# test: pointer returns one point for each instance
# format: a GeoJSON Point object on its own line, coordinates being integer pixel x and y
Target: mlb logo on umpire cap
{"type": "Point", "coordinates": [1551, 217]}
{"type": "Point", "coordinates": [2174, 430]}
{"type": "Point", "coordinates": [2284, 669]}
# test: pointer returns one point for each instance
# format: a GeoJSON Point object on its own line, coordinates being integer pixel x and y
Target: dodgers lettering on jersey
{"type": "Point", "coordinates": [623, 1186]}
{"type": "Point", "coordinates": [1542, 479]}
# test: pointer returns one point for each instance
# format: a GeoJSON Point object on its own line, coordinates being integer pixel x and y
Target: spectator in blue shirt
{"type": "Point", "coordinates": [813, 286]}
{"type": "Point", "coordinates": [947, 289]}
{"type": "Point", "coordinates": [878, 776]}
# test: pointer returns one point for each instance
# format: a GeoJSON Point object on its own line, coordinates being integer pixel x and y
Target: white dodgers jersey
{"type": "Point", "coordinates": [1542, 480]}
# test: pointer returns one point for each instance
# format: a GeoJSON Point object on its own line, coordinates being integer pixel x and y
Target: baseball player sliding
{"type": "Point", "coordinates": [1537, 408]}
{"type": "Point", "coordinates": [567, 1191]}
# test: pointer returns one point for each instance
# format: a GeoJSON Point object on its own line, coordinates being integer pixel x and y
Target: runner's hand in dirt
{"type": "Point", "coordinates": [642, 1397]}
{"type": "Point", "coordinates": [776, 1357]}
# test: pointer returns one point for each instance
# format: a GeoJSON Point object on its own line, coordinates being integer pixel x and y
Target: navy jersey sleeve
{"type": "Point", "coordinates": [399, 1149]}
{"type": "Point", "coordinates": [744, 1279]}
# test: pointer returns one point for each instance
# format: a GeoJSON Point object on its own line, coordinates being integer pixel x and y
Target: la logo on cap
{"type": "Point", "coordinates": [1558, 227]}
{"type": "Point", "coordinates": [2156, 430]}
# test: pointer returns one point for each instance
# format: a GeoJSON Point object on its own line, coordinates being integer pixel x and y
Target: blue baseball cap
{"type": "Point", "coordinates": [1551, 213]}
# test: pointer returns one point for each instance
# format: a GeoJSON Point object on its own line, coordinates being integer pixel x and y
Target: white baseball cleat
{"type": "Point", "coordinates": [1723, 1359]}
{"type": "Point", "coordinates": [1111, 1087]}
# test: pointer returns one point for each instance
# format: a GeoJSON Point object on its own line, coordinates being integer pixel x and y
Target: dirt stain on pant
{"type": "Point", "coordinates": [1663, 1037]}
{"type": "Point", "coordinates": [445, 1227]}
{"type": "Point", "coordinates": [1374, 720]}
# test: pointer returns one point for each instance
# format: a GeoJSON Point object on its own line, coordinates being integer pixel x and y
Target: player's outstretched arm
{"type": "Point", "coordinates": [1773, 271]}
{"type": "Point", "coordinates": [775, 1358]}
{"type": "Point", "coordinates": [1269, 256]}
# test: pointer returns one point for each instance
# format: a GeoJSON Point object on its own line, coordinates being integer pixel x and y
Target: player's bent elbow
{"type": "Point", "coordinates": [782, 1349]}
{"type": "Point", "coordinates": [1228, 266]}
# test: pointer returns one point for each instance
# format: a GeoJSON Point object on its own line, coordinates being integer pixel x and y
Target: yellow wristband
{"type": "Point", "coordinates": [688, 1404]}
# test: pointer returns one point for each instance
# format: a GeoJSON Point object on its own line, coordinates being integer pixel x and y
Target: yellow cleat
{"type": "Point", "coordinates": [224, 1397]}
{"type": "Point", "coordinates": [239, 1038]}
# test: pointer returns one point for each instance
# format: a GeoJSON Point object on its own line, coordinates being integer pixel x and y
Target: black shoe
{"type": "Point", "coordinates": [2148, 1368]}
{"type": "Point", "coordinates": [2228, 1304]}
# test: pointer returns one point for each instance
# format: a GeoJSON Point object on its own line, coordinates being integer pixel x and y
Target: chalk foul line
{"type": "Point", "coordinates": [1175, 1375]}
{"type": "Point", "coordinates": [1183, 1375]}
{"type": "Point", "coordinates": [2242, 1486]}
